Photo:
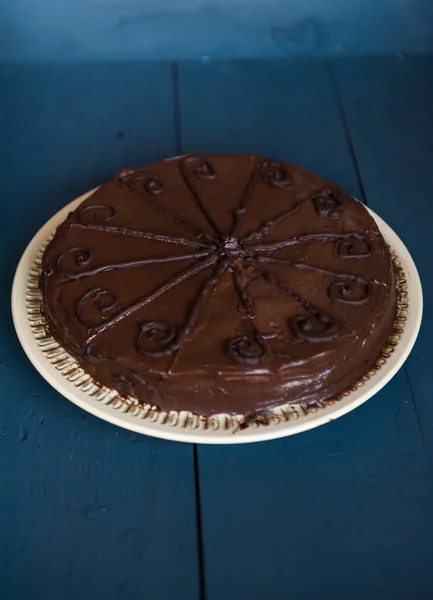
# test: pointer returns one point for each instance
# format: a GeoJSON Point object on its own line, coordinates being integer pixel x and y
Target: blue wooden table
{"type": "Point", "coordinates": [92, 512]}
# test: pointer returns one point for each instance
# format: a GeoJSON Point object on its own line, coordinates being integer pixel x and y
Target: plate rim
{"type": "Point", "coordinates": [188, 435]}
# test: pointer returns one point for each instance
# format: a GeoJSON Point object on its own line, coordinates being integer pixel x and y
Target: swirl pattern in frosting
{"type": "Point", "coordinates": [354, 247]}
{"type": "Point", "coordinates": [350, 291]}
{"type": "Point", "coordinates": [141, 181]}
{"type": "Point", "coordinates": [199, 168]}
{"type": "Point", "coordinates": [316, 327]}
{"type": "Point", "coordinates": [96, 214]}
{"type": "Point", "coordinates": [222, 284]}
{"type": "Point", "coordinates": [246, 350]}
{"type": "Point", "coordinates": [70, 263]}
{"type": "Point", "coordinates": [95, 306]}
{"type": "Point", "coordinates": [275, 173]}
{"type": "Point", "coordinates": [328, 203]}
{"type": "Point", "coordinates": [156, 339]}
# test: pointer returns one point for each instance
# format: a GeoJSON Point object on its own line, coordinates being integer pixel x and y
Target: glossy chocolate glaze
{"type": "Point", "coordinates": [215, 284]}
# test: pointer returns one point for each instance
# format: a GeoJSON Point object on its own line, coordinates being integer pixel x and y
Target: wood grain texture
{"type": "Point", "coordinates": [389, 108]}
{"type": "Point", "coordinates": [344, 511]}
{"type": "Point", "coordinates": [87, 510]}
{"type": "Point", "coordinates": [225, 29]}
{"type": "Point", "coordinates": [275, 108]}
{"type": "Point", "coordinates": [91, 511]}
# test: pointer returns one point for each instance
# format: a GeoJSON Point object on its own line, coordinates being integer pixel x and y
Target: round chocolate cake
{"type": "Point", "coordinates": [220, 284]}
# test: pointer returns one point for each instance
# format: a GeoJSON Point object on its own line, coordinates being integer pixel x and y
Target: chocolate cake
{"type": "Point", "coordinates": [220, 284]}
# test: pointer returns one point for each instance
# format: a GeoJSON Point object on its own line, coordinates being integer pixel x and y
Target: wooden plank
{"type": "Point", "coordinates": [266, 108]}
{"type": "Point", "coordinates": [343, 511]}
{"type": "Point", "coordinates": [87, 510]}
{"type": "Point", "coordinates": [69, 128]}
{"type": "Point", "coordinates": [389, 106]}
{"type": "Point", "coordinates": [166, 29]}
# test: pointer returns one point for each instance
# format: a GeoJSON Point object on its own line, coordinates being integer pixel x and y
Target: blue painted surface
{"type": "Point", "coordinates": [93, 512]}
{"type": "Point", "coordinates": [278, 108]}
{"type": "Point", "coordinates": [86, 510]}
{"type": "Point", "coordinates": [392, 133]}
{"type": "Point", "coordinates": [333, 513]}
{"type": "Point", "coordinates": [49, 30]}
{"type": "Point", "coordinates": [344, 511]}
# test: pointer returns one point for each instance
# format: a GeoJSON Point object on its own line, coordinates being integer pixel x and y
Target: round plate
{"type": "Point", "coordinates": [219, 436]}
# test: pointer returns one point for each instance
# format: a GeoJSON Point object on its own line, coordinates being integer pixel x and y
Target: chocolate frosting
{"type": "Point", "coordinates": [220, 284]}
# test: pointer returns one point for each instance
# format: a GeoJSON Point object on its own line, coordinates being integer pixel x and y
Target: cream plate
{"type": "Point", "coordinates": [128, 420]}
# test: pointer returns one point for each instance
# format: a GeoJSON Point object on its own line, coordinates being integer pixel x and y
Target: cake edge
{"type": "Point", "coordinates": [73, 372]}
